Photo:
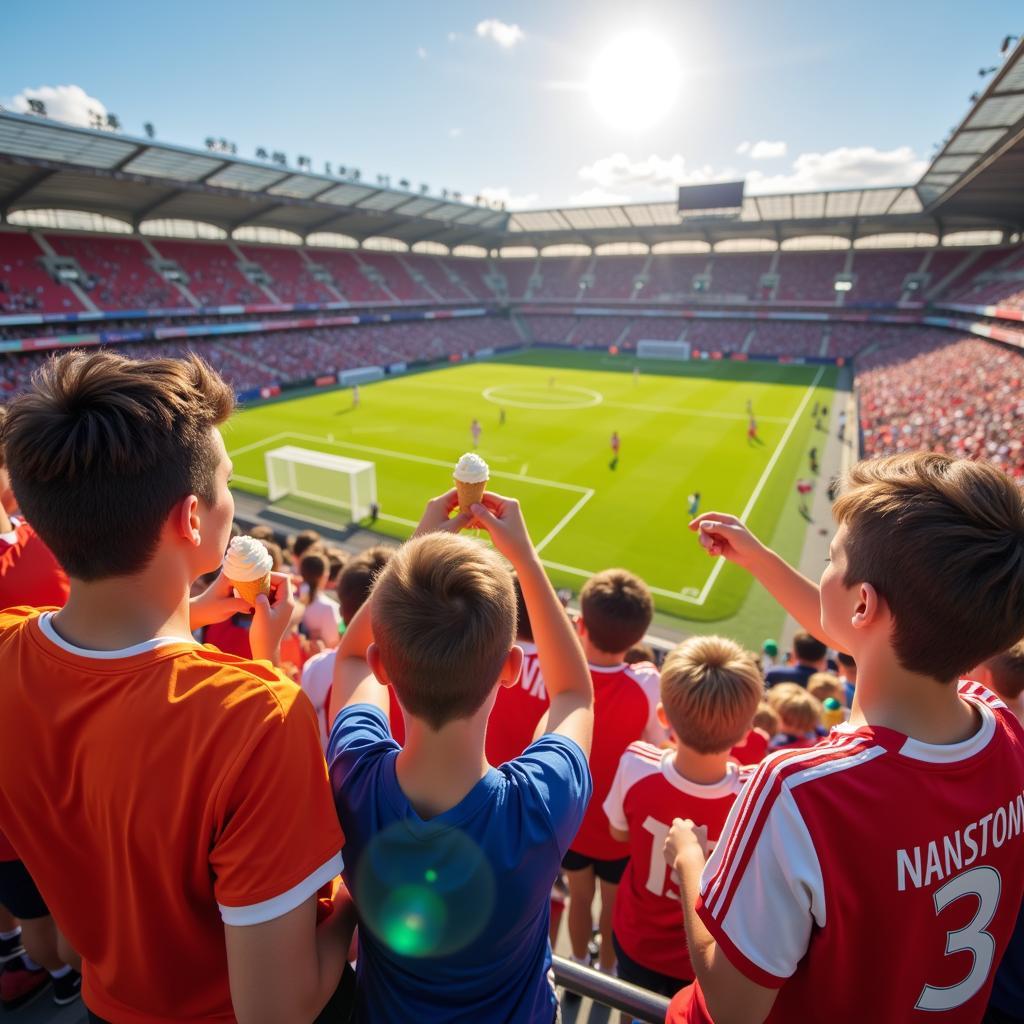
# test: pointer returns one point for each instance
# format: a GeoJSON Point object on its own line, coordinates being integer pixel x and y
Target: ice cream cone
{"type": "Point", "coordinates": [249, 590]}
{"type": "Point", "coordinates": [469, 494]}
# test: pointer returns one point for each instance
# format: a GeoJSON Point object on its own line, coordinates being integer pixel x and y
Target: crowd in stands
{"type": "Point", "coordinates": [964, 398]}
{"type": "Point", "coordinates": [291, 279]}
{"type": "Point", "coordinates": [218, 791]}
{"type": "Point", "coordinates": [787, 338]}
{"type": "Point", "coordinates": [808, 276]}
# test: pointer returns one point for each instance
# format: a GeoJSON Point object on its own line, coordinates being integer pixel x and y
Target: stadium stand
{"type": "Point", "coordinates": [25, 287]}
{"type": "Point", "coordinates": [119, 272]}
{"type": "Point", "coordinates": [560, 278]}
{"type": "Point", "coordinates": [347, 272]}
{"type": "Point", "coordinates": [653, 328]}
{"type": "Point", "coordinates": [946, 266]}
{"type": "Point", "coordinates": [550, 329]}
{"type": "Point", "coordinates": [672, 276]}
{"type": "Point", "coordinates": [290, 277]}
{"type": "Point", "coordinates": [471, 272]}
{"type": "Point", "coordinates": [212, 271]}
{"type": "Point", "coordinates": [739, 274]}
{"type": "Point", "coordinates": [961, 397]}
{"type": "Point", "coordinates": [787, 338]}
{"type": "Point", "coordinates": [979, 284]}
{"type": "Point", "coordinates": [614, 277]}
{"type": "Point", "coordinates": [436, 276]}
{"type": "Point", "coordinates": [808, 276]}
{"type": "Point", "coordinates": [517, 274]}
{"type": "Point", "coordinates": [600, 330]}
{"type": "Point", "coordinates": [718, 335]}
{"type": "Point", "coordinates": [879, 275]}
{"type": "Point", "coordinates": [396, 277]}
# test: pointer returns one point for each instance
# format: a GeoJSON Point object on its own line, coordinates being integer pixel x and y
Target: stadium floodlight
{"type": "Point", "coordinates": [982, 72]}
{"type": "Point", "coordinates": [334, 481]}
{"type": "Point", "coordinates": [1007, 43]}
{"type": "Point", "coordinates": [149, 130]}
{"type": "Point", "coordinates": [843, 286]}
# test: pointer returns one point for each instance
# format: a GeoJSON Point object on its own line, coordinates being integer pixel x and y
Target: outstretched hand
{"type": "Point", "coordinates": [437, 516]}
{"type": "Point", "coordinates": [502, 518]}
{"type": "Point", "coordinates": [271, 618]}
{"type": "Point", "coordinates": [726, 536]}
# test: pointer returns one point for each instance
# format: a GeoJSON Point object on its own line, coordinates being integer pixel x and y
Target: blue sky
{"type": "Point", "coordinates": [839, 94]}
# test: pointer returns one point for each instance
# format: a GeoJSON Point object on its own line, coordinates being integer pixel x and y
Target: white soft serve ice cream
{"type": "Point", "coordinates": [247, 560]}
{"type": "Point", "coordinates": [471, 469]}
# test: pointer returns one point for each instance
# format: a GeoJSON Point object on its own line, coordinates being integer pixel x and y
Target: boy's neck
{"type": "Point", "coordinates": [437, 769]}
{"type": "Point", "coordinates": [602, 659]}
{"type": "Point", "coordinates": [703, 769]}
{"type": "Point", "coordinates": [122, 611]}
{"type": "Point", "coordinates": [915, 705]}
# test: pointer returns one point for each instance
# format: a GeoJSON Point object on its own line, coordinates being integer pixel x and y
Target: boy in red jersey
{"type": "Point", "coordinates": [519, 707]}
{"type": "Point", "coordinates": [925, 782]}
{"type": "Point", "coordinates": [616, 610]}
{"type": "Point", "coordinates": [710, 688]}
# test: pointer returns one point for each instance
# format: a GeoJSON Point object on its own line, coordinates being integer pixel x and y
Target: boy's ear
{"type": "Point", "coordinates": [376, 665]}
{"type": "Point", "coordinates": [662, 717]}
{"type": "Point", "coordinates": [185, 517]}
{"type": "Point", "coordinates": [509, 674]}
{"type": "Point", "coordinates": [869, 607]}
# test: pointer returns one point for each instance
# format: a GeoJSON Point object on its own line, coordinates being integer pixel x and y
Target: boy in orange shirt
{"type": "Point", "coordinates": [195, 826]}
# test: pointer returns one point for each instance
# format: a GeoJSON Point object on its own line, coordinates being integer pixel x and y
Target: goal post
{"type": "Point", "coordinates": [648, 348]}
{"type": "Point", "coordinates": [338, 482]}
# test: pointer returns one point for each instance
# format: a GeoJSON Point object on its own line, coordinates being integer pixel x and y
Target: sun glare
{"type": "Point", "coordinates": [634, 81]}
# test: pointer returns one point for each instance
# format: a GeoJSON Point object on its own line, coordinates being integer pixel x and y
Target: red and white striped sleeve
{"type": "Point", "coordinates": [762, 890]}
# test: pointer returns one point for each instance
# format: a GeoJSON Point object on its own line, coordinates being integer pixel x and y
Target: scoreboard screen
{"type": "Point", "coordinates": [723, 195]}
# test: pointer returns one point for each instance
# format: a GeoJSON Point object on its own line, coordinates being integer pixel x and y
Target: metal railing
{"type": "Point", "coordinates": [608, 991]}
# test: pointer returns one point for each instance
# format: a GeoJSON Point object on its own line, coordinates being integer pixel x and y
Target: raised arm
{"type": "Point", "coordinates": [561, 658]}
{"type": "Point", "coordinates": [727, 537]}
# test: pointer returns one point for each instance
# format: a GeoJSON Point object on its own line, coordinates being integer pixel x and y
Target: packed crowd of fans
{"type": "Point", "coordinates": [964, 398]}
{"type": "Point", "coordinates": [223, 755]}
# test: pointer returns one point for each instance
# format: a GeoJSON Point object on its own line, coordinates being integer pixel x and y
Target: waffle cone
{"type": "Point", "coordinates": [249, 590]}
{"type": "Point", "coordinates": [469, 494]}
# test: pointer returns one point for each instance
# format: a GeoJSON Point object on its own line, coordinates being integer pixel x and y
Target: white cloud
{"type": "Point", "coordinates": [764, 150]}
{"type": "Point", "coordinates": [844, 167]}
{"type": "Point", "coordinates": [421, 52]}
{"type": "Point", "coordinates": [743, 147]}
{"type": "Point", "coordinates": [454, 133]}
{"type": "Point", "coordinates": [70, 103]}
{"type": "Point", "coordinates": [452, 36]}
{"type": "Point", "coordinates": [503, 194]}
{"type": "Point", "coordinates": [620, 178]}
{"type": "Point", "coordinates": [504, 34]}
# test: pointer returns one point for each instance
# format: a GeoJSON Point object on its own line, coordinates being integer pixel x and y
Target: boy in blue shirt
{"type": "Point", "coordinates": [449, 860]}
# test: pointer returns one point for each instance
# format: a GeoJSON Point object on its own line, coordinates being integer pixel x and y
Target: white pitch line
{"type": "Point", "coordinates": [576, 571]}
{"type": "Point", "coordinates": [756, 493]}
{"type": "Point", "coordinates": [522, 469]}
{"type": "Point", "coordinates": [257, 444]}
{"type": "Point", "coordinates": [564, 521]}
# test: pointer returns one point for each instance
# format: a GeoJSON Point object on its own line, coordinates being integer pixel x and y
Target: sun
{"type": "Point", "coordinates": [634, 81]}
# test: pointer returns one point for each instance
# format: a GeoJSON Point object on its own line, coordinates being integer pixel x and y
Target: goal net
{"type": "Point", "coordinates": [332, 481]}
{"type": "Point", "coordinates": [649, 349]}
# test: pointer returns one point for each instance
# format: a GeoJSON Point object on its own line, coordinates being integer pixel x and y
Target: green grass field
{"type": "Point", "coordinates": [682, 426]}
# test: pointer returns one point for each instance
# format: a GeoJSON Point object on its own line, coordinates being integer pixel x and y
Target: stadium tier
{"type": "Point", "coordinates": [212, 272]}
{"type": "Point", "coordinates": [25, 287]}
{"type": "Point", "coordinates": [671, 277]}
{"type": "Point", "coordinates": [740, 275]}
{"type": "Point", "coordinates": [615, 277]}
{"type": "Point", "coordinates": [290, 278]}
{"type": "Point", "coordinates": [808, 276]}
{"type": "Point", "coordinates": [880, 276]}
{"type": "Point", "coordinates": [560, 278]}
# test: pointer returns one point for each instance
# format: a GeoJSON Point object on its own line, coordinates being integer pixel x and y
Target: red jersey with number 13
{"type": "Point", "coordinates": [873, 877]}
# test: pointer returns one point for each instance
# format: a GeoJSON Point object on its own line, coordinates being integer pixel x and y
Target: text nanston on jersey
{"type": "Point", "coordinates": [941, 858]}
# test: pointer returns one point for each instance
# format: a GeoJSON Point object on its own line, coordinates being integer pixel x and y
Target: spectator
{"type": "Point", "coordinates": [640, 654]}
{"type": "Point", "coordinates": [29, 574]}
{"type": "Point", "coordinates": [322, 616]}
{"type": "Point", "coordinates": [823, 685]}
{"type": "Point", "coordinates": [194, 828]}
{"type": "Point", "coordinates": [336, 559]}
{"type": "Point", "coordinates": [519, 707]}
{"type": "Point", "coordinates": [925, 580]}
{"type": "Point", "coordinates": [754, 746]}
{"type": "Point", "coordinates": [799, 718]}
{"type": "Point", "coordinates": [808, 656]}
{"type": "Point", "coordinates": [769, 656]}
{"type": "Point", "coordinates": [1004, 675]}
{"type": "Point", "coordinates": [304, 544]}
{"type": "Point", "coordinates": [616, 610]}
{"type": "Point", "coordinates": [354, 587]}
{"type": "Point", "coordinates": [710, 688]}
{"type": "Point", "coordinates": [440, 629]}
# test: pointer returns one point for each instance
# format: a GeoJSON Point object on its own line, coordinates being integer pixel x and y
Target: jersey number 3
{"type": "Point", "coordinates": [984, 884]}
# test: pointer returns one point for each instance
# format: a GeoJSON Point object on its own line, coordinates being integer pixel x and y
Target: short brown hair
{"type": "Point", "coordinates": [617, 609]}
{"type": "Point", "coordinates": [808, 648]}
{"type": "Point", "coordinates": [304, 542]}
{"type": "Point", "coordinates": [638, 654]}
{"type": "Point", "coordinates": [274, 549]}
{"type": "Point", "coordinates": [444, 619]}
{"type": "Point", "coordinates": [1008, 672]}
{"type": "Point", "coordinates": [942, 541]}
{"type": "Point", "coordinates": [766, 718]}
{"type": "Point", "coordinates": [102, 448]}
{"type": "Point", "coordinates": [799, 711]}
{"type": "Point", "coordinates": [524, 630]}
{"type": "Point", "coordinates": [356, 579]}
{"type": "Point", "coordinates": [824, 685]}
{"type": "Point", "coordinates": [710, 689]}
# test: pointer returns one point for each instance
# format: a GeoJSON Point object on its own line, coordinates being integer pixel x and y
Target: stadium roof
{"type": "Point", "coordinates": [980, 168]}
{"type": "Point", "coordinates": [974, 183]}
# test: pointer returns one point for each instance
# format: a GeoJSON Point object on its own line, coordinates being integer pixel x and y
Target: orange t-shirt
{"type": "Point", "coordinates": [29, 573]}
{"type": "Point", "coordinates": [156, 794]}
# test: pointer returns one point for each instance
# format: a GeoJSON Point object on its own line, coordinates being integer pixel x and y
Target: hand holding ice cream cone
{"type": "Point", "coordinates": [247, 565]}
{"type": "Point", "coordinates": [470, 476]}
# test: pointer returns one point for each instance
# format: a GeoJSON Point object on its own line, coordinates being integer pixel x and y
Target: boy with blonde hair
{"type": "Point", "coordinates": [799, 719]}
{"type": "Point", "coordinates": [823, 685]}
{"type": "Point", "coordinates": [451, 861]}
{"type": "Point", "coordinates": [926, 780]}
{"type": "Point", "coordinates": [710, 688]}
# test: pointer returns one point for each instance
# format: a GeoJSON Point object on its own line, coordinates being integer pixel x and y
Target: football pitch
{"type": "Point", "coordinates": [683, 428]}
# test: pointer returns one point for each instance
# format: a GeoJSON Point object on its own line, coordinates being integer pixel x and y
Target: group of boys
{"type": "Point", "coordinates": [173, 805]}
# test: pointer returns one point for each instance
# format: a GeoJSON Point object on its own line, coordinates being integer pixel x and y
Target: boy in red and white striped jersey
{"type": "Point", "coordinates": [877, 875]}
{"type": "Point", "coordinates": [710, 688]}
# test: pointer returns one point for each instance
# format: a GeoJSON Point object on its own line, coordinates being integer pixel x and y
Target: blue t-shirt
{"type": "Point", "coordinates": [454, 911]}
